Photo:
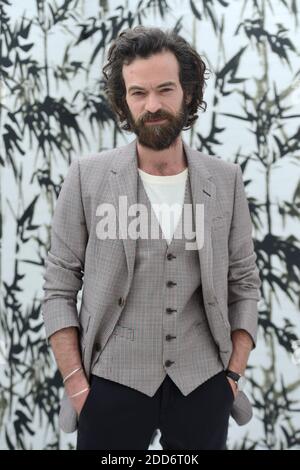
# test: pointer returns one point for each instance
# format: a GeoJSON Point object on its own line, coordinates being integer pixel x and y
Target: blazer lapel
{"type": "Point", "coordinates": [123, 183]}
{"type": "Point", "coordinates": [203, 193]}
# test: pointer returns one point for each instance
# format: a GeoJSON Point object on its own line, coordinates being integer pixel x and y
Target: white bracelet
{"type": "Point", "coordinates": [79, 393]}
{"type": "Point", "coordinates": [71, 373]}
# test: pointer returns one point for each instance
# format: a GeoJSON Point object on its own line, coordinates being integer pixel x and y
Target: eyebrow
{"type": "Point", "coordinates": [136, 87]}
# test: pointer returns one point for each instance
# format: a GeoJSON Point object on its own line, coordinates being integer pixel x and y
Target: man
{"type": "Point", "coordinates": [166, 323]}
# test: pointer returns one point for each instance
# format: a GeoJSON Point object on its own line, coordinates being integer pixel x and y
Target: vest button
{"type": "Point", "coordinates": [171, 284]}
{"type": "Point", "coordinates": [97, 347]}
{"type": "Point", "coordinates": [171, 310]}
{"type": "Point", "coordinates": [169, 337]}
{"type": "Point", "coordinates": [168, 363]}
{"type": "Point", "coordinates": [121, 301]}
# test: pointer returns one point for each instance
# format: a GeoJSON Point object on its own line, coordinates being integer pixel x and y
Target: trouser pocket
{"type": "Point", "coordinates": [229, 388]}
{"type": "Point", "coordinates": [87, 400]}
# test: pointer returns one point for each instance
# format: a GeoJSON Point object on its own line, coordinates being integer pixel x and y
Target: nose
{"type": "Point", "coordinates": [152, 104]}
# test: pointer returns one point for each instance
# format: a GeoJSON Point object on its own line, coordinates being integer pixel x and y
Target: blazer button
{"type": "Point", "coordinates": [168, 363]}
{"type": "Point", "coordinates": [170, 256]}
{"type": "Point", "coordinates": [213, 301]}
{"type": "Point", "coordinates": [121, 301]}
{"type": "Point", "coordinates": [97, 347]}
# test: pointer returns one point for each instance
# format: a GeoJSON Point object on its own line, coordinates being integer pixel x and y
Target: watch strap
{"type": "Point", "coordinates": [233, 375]}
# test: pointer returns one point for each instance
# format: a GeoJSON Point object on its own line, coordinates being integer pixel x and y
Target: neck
{"type": "Point", "coordinates": [165, 162]}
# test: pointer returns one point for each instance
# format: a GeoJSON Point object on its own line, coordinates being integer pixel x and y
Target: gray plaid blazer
{"type": "Point", "coordinates": [78, 258]}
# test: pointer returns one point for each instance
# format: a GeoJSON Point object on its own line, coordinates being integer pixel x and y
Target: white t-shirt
{"type": "Point", "coordinates": [166, 194]}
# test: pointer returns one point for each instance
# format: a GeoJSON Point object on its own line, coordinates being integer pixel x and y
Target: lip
{"type": "Point", "coordinates": [155, 122]}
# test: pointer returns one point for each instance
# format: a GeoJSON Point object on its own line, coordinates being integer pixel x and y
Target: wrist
{"type": "Point", "coordinates": [238, 379]}
{"type": "Point", "coordinates": [237, 368]}
{"type": "Point", "coordinates": [79, 393]}
{"type": "Point", "coordinates": [75, 383]}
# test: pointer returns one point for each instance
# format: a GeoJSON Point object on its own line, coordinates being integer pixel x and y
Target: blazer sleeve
{"type": "Point", "coordinates": [64, 264]}
{"type": "Point", "coordinates": [243, 276]}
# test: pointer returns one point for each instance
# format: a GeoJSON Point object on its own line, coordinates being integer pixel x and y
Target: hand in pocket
{"type": "Point", "coordinates": [233, 387]}
{"type": "Point", "coordinates": [80, 401]}
{"type": "Point", "coordinates": [74, 385]}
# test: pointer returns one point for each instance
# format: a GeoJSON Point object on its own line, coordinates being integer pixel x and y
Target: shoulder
{"type": "Point", "coordinates": [221, 172]}
{"type": "Point", "coordinates": [216, 164]}
{"type": "Point", "coordinates": [103, 159]}
{"type": "Point", "coordinates": [93, 166]}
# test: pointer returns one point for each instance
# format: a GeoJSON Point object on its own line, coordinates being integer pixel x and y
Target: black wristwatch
{"type": "Point", "coordinates": [240, 380]}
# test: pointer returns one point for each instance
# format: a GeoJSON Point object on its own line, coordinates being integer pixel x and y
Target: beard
{"type": "Point", "coordinates": [159, 136]}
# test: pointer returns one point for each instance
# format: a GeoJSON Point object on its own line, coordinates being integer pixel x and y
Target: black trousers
{"type": "Point", "coordinates": [117, 417]}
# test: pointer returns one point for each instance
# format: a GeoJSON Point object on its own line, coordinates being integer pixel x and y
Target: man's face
{"type": "Point", "coordinates": [153, 91]}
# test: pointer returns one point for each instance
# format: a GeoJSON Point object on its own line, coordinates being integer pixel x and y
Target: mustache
{"type": "Point", "coordinates": [154, 117]}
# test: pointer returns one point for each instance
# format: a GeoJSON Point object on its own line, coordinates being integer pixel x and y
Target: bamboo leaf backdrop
{"type": "Point", "coordinates": [53, 109]}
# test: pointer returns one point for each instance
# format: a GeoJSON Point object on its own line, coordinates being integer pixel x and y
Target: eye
{"type": "Point", "coordinates": [141, 93]}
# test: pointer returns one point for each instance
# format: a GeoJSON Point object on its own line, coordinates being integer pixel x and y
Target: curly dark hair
{"type": "Point", "coordinates": [142, 41]}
